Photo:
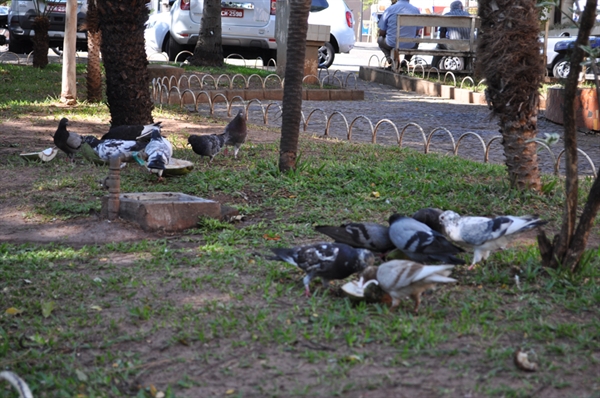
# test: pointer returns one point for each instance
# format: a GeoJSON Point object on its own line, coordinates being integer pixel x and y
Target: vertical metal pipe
{"type": "Point", "coordinates": [113, 183]}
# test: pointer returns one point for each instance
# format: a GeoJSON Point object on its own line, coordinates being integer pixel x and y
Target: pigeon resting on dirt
{"type": "Point", "coordinates": [326, 260]}
{"type": "Point", "coordinates": [401, 278]}
{"type": "Point", "coordinates": [66, 141]}
{"type": "Point", "coordinates": [131, 132]}
{"type": "Point", "coordinates": [483, 234]}
{"type": "Point", "coordinates": [159, 151]}
{"type": "Point", "coordinates": [207, 145]}
{"type": "Point", "coordinates": [367, 235]}
{"type": "Point", "coordinates": [106, 149]}
{"type": "Point", "coordinates": [420, 243]}
{"type": "Point", "coordinates": [236, 132]}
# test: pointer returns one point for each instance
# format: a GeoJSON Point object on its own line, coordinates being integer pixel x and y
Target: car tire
{"type": "Point", "coordinates": [326, 55]}
{"type": "Point", "coordinates": [451, 63]}
{"type": "Point", "coordinates": [561, 67]}
{"type": "Point", "coordinates": [173, 49]}
{"type": "Point", "coordinates": [20, 46]}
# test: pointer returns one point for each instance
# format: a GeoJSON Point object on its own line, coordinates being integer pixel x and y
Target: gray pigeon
{"type": "Point", "coordinates": [421, 243]}
{"type": "Point", "coordinates": [66, 141]}
{"type": "Point", "coordinates": [366, 235]}
{"type": "Point", "coordinates": [483, 234]}
{"type": "Point", "coordinates": [326, 260]}
{"type": "Point", "coordinates": [207, 145]}
{"type": "Point", "coordinates": [236, 132]}
{"type": "Point", "coordinates": [159, 151]}
{"type": "Point", "coordinates": [131, 132]}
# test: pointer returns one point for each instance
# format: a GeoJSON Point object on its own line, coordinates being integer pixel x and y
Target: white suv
{"type": "Point", "coordinates": [341, 22]}
{"type": "Point", "coordinates": [243, 23]}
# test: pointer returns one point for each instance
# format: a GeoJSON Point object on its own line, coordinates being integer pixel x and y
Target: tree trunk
{"type": "Point", "coordinates": [508, 56]}
{"type": "Point", "coordinates": [94, 71]}
{"type": "Point", "coordinates": [125, 63]}
{"type": "Point", "coordinates": [567, 247]}
{"type": "Point", "coordinates": [68, 93]}
{"type": "Point", "coordinates": [41, 41]}
{"type": "Point", "coordinates": [292, 90]}
{"type": "Point", "coordinates": [208, 50]}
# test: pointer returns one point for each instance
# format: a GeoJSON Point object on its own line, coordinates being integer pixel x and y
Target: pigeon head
{"type": "Point", "coordinates": [395, 217]}
{"type": "Point", "coordinates": [365, 259]}
{"type": "Point", "coordinates": [448, 217]}
{"type": "Point", "coordinates": [91, 140]}
{"type": "Point", "coordinates": [64, 122]}
{"type": "Point", "coordinates": [369, 273]}
{"type": "Point", "coordinates": [155, 135]}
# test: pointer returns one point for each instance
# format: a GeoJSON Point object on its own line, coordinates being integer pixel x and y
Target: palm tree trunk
{"type": "Point", "coordinates": [510, 28]}
{"type": "Point", "coordinates": [209, 50]}
{"type": "Point", "coordinates": [125, 63]}
{"type": "Point", "coordinates": [41, 41]}
{"type": "Point", "coordinates": [292, 90]}
{"type": "Point", "coordinates": [94, 72]}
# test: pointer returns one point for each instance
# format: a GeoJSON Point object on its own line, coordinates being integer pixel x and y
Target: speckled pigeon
{"type": "Point", "coordinates": [483, 234]}
{"type": "Point", "coordinates": [325, 260]}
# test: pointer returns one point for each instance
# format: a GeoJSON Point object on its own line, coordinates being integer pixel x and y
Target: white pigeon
{"type": "Point", "coordinates": [159, 151]}
{"type": "Point", "coordinates": [402, 278]}
{"type": "Point", "coordinates": [483, 234]}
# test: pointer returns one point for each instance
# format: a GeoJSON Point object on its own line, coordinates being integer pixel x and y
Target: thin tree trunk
{"type": "Point", "coordinates": [208, 50]}
{"type": "Point", "coordinates": [94, 71]}
{"type": "Point", "coordinates": [125, 62]}
{"type": "Point", "coordinates": [68, 93]}
{"type": "Point", "coordinates": [41, 41]}
{"type": "Point", "coordinates": [508, 56]}
{"type": "Point", "coordinates": [567, 247]}
{"type": "Point", "coordinates": [292, 90]}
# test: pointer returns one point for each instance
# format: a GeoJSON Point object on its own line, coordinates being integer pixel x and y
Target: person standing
{"type": "Point", "coordinates": [388, 28]}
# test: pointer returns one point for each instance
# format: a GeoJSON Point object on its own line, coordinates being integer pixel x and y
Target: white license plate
{"type": "Point", "coordinates": [232, 13]}
{"type": "Point", "coordinates": [60, 8]}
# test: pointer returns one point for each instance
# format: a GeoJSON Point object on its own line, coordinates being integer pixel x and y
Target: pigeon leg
{"type": "Point", "coordinates": [395, 303]}
{"type": "Point", "coordinates": [235, 151]}
{"type": "Point", "coordinates": [417, 299]}
{"type": "Point", "coordinates": [306, 281]}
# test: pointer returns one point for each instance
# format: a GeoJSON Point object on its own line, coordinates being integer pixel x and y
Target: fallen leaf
{"type": "Point", "coordinates": [271, 237]}
{"type": "Point", "coordinates": [96, 307]}
{"type": "Point", "coordinates": [230, 391]}
{"type": "Point", "coordinates": [13, 311]}
{"type": "Point", "coordinates": [80, 375]}
{"type": "Point", "coordinates": [47, 308]}
{"type": "Point", "coordinates": [375, 194]}
{"type": "Point", "coordinates": [153, 390]}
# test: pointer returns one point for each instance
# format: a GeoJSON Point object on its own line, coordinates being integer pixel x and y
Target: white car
{"type": "Point", "coordinates": [341, 22]}
{"type": "Point", "coordinates": [160, 37]}
{"type": "Point", "coordinates": [244, 24]}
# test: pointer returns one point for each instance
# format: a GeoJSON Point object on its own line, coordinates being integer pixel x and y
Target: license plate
{"type": "Point", "coordinates": [232, 13]}
{"type": "Point", "coordinates": [60, 8]}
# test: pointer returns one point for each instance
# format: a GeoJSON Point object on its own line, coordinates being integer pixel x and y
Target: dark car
{"type": "Point", "coordinates": [22, 15]}
{"type": "Point", "coordinates": [562, 64]}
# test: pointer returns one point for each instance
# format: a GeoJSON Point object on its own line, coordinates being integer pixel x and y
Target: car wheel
{"type": "Point", "coordinates": [326, 55]}
{"type": "Point", "coordinates": [451, 63]}
{"type": "Point", "coordinates": [561, 68]}
{"type": "Point", "coordinates": [20, 46]}
{"type": "Point", "coordinates": [173, 48]}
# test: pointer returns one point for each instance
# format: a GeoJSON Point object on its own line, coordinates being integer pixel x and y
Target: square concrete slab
{"type": "Point", "coordinates": [168, 211]}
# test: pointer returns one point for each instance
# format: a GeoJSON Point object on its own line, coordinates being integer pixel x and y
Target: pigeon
{"type": "Point", "coordinates": [236, 132]}
{"type": "Point", "coordinates": [66, 141]}
{"type": "Point", "coordinates": [420, 243]}
{"type": "Point", "coordinates": [106, 149]}
{"type": "Point", "coordinates": [367, 235]}
{"type": "Point", "coordinates": [131, 132]}
{"type": "Point", "coordinates": [207, 145]}
{"type": "Point", "coordinates": [401, 278]}
{"type": "Point", "coordinates": [325, 260]}
{"type": "Point", "coordinates": [483, 234]}
{"type": "Point", "coordinates": [159, 151]}
{"type": "Point", "coordinates": [430, 216]}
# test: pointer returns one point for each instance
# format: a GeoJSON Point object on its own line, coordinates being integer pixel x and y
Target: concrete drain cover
{"type": "Point", "coordinates": [168, 211]}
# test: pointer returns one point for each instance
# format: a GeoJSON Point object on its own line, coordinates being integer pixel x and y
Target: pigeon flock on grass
{"type": "Point", "coordinates": [429, 236]}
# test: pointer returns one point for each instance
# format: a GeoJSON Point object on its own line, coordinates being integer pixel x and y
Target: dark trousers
{"type": "Point", "coordinates": [387, 50]}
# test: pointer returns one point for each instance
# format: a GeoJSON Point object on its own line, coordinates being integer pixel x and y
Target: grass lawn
{"type": "Point", "coordinates": [205, 314]}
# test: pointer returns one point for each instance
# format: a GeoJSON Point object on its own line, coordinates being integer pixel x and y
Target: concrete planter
{"type": "Point", "coordinates": [586, 107]}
